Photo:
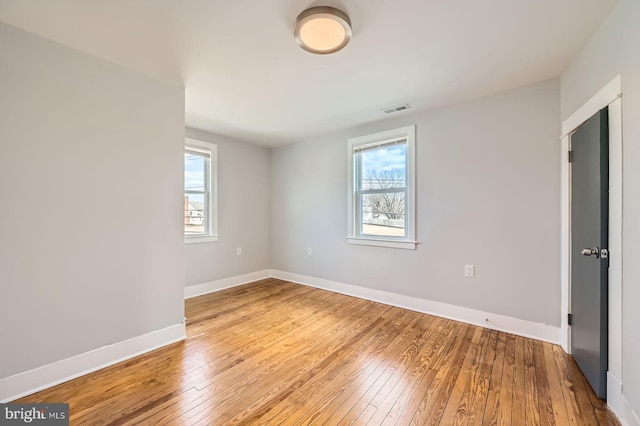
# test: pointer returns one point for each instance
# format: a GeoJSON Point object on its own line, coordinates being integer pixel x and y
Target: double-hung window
{"type": "Point", "coordinates": [200, 195]}
{"type": "Point", "coordinates": [382, 189]}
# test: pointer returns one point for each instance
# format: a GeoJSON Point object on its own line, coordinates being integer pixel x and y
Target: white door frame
{"type": "Point", "coordinates": [610, 96]}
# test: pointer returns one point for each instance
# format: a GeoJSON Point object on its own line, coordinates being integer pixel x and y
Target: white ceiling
{"type": "Point", "coordinates": [246, 78]}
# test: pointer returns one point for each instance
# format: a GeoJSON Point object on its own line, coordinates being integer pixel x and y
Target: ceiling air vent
{"type": "Point", "coordinates": [396, 108]}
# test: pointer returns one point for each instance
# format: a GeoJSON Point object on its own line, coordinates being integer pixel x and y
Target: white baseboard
{"type": "Point", "coordinates": [40, 378]}
{"type": "Point", "coordinates": [614, 394]}
{"type": "Point", "coordinates": [517, 326]}
{"type": "Point", "coordinates": [210, 287]}
{"type": "Point", "coordinates": [629, 417]}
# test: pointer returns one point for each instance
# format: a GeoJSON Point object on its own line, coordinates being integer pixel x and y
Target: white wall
{"type": "Point", "coordinates": [613, 50]}
{"type": "Point", "coordinates": [243, 208]}
{"type": "Point", "coordinates": [487, 194]}
{"type": "Point", "coordinates": [91, 238]}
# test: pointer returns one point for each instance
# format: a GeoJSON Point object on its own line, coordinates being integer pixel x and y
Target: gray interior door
{"type": "Point", "coordinates": [589, 242]}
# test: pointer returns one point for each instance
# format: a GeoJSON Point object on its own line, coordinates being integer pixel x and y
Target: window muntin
{"type": "Point", "coordinates": [382, 189]}
{"type": "Point", "coordinates": [199, 191]}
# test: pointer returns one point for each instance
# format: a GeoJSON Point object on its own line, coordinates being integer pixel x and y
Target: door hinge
{"type": "Point", "coordinates": [570, 319]}
{"type": "Point", "coordinates": [571, 156]}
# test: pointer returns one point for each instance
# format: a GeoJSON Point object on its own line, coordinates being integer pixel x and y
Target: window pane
{"type": "Point", "coordinates": [383, 214]}
{"type": "Point", "coordinates": [381, 177]}
{"type": "Point", "coordinates": [383, 167]}
{"type": "Point", "coordinates": [195, 168]}
{"type": "Point", "coordinates": [194, 220]}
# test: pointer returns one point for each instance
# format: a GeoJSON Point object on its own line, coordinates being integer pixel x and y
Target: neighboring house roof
{"type": "Point", "coordinates": [196, 205]}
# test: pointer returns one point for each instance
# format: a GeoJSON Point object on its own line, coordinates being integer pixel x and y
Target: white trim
{"type": "Point", "coordinates": [614, 393]}
{"type": "Point", "coordinates": [615, 238]}
{"type": "Point", "coordinates": [407, 245]}
{"type": "Point", "coordinates": [212, 286]}
{"type": "Point", "coordinates": [197, 239]}
{"type": "Point", "coordinates": [629, 417]}
{"type": "Point", "coordinates": [517, 326]}
{"type": "Point", "coordinates": [212, 208]}
{"type": "Point", "coordinates": [604, 97]}
{"type": "Point", "coordinates": [610, 96]}
{"type": "Point", "coordinates": [565, 244]}
{"type": "Point", "coordinates": [407, 133]}
{"type": "Point", "coordinates": [31, 381]}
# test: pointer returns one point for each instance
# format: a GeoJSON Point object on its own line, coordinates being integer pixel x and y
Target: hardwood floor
{"type": "Point", "coordinates": [277, 353]}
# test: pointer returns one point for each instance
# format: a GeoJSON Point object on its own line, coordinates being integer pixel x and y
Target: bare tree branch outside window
{"type": "Point", "coordinates": [381, 189]}
{"type": "Point", "coordinates": [388, 204]}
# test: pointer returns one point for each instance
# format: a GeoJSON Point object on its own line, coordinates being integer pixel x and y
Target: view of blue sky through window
{"type": "Point", "coordinates": [382, 190]}
{"type": "Point", "coordinates": [194, 172]}
{"type": "Point", "coordinates": [385, 158]}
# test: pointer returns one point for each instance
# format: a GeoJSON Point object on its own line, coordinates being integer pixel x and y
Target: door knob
{"type": "Point", "coordinates": [591, 252]}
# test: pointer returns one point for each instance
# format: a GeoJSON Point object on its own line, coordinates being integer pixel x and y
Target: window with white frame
{"type": "Point", "coordinates": [200, 195]}
{"type": "Point", "coordinates": [382, 189]}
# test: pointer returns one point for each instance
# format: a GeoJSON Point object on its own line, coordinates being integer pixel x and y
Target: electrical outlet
{"type": "Point", "coordinates": [239, 251]}
{"type": "Point", "coordinates": [469, 271]}
{"type": "Point", "coordinates": [309, 252]}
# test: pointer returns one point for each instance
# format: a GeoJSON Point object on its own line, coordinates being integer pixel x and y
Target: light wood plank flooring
{"type": "Point", "coordinates": [277, 353]}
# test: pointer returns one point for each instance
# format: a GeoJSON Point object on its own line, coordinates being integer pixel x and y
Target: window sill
{"type": "Point", "coordinates": [406, 245]}
{"type": "Point", "coordinates": [203, 239]}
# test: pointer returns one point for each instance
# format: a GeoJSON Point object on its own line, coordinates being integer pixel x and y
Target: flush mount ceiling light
{"type": "Point", "coordinates": [322, 30]}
